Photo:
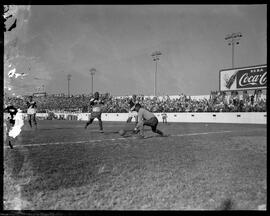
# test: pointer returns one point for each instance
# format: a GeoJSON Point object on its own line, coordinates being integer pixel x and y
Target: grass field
{"type": "Point", "coordinates": [62, 166]}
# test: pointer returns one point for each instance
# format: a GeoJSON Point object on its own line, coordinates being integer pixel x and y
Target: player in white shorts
{"type": "Point", "coordinates": [96, 103]}
{"type": "Point", "coordinates": [31, 111]}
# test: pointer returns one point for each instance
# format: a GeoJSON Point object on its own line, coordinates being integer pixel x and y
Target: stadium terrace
{"type": "Point", "coordinates": [214, 102]}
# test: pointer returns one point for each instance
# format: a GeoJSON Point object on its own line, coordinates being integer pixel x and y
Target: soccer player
{"type": "Point", "coordinates": [12, 111]}
{"type": "Point", "coordinates": [131, 112]}
{"type": "Point", "coordinates": [146, 118]}
{"type": "Point", "coordinates": [96, 104]}
{"type": "Point", "coordinates": [31, 111]}
{"type": "Point", "coordinates": [164, 117]}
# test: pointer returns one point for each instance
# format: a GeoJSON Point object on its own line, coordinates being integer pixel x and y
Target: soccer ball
{"type": "Point", "coordinates": [122, 132]}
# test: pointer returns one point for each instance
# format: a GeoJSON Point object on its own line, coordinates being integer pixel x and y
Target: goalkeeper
{"type": "Point", "coordinates": [146, 118]}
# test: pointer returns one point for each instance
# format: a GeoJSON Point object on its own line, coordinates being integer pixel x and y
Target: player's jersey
{"type": "Point", "coordinates": [31, 107]}
{"type": "Point", "coordinates": [132, 103]}
{"type": "Point", "coordinates": [144, 114]}
{"type": "Point", "coordinates": [164, 115]}
{"type": "Point", "coordinates": [131, 112]}
{"type": "Point", "coordinates": [31, 104]}
{"type": "Point", "coordinates": [96, 105]}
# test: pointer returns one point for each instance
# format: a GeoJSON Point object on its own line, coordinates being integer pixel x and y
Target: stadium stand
{"type": "Point", "coordinates": [215, 102]}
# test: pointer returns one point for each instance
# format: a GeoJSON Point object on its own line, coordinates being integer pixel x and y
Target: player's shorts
{"type": "Point", "coordinates": [95, 115]}
{"type": "Point", "coordinates": [152, 122]}
{"type": "Point", "coordinates": [31, 111]}
{"type": "Point", "coordinates": [132, 114]}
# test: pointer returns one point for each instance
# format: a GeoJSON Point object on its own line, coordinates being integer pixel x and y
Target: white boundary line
{"type": "Point", "coordinates": [112, 139]}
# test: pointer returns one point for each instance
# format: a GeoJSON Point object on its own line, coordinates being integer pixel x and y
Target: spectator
{"type": "Point", "coordinates": [217, 102]}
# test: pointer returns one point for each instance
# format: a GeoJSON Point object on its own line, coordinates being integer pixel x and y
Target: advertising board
{"type": "Point", "coordinates": [246, 78]}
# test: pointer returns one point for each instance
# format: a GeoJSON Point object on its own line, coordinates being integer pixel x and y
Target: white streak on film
{"type": "Point", "coordinates": [17, 128]}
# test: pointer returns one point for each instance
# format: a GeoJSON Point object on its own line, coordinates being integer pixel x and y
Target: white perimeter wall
{"type": "Point", "coordinates": [235, 117]}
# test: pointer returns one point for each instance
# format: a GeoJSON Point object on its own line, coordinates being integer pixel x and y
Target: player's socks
{"type": "Point", "coordinates": [86, 125]}
{"type": "Point", "coordinates": [10, 145]}
{"type": "Point", "coordinates": [30, 123]}
{"type": "Point", "coordinates": [159, 132]}
{"type": "Point", "coordinates": [100, 126]}
{"type": "Point", "coordinates": [129, 120]}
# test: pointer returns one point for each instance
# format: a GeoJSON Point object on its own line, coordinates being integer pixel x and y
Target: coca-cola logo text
{"type": "Point", "coordinates": [248, 79]}
{"type": "Point", "coordinates": [251, 78]}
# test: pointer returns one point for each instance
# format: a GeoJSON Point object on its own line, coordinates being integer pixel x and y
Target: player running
{"type": "Point", "coordinates": [146, 118]}
{"type": "Point", "coordinates": [31, 111]}
{"type": "Point", "coordinates": [96, 104]}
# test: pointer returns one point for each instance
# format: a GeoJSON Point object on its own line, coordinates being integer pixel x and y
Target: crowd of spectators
{"type": "Point", "coordinates": [216, 102]}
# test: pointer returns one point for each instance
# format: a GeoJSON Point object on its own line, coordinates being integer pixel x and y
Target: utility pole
{"type": "Point", "coordinates": [155, 56]}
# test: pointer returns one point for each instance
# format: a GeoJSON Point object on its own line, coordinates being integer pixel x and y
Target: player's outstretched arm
{"type": "Point", "coordinates": [35, 105]}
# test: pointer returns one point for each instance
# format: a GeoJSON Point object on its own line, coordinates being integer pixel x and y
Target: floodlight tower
{"type": "Point", "coordinates": [92, 72]}
{"type": "Point", "coordinates": [68, 79]}
{"type": "Point", "coordinates": [233, 39]}
{"type": "Point", "coordinates": [155, 56]}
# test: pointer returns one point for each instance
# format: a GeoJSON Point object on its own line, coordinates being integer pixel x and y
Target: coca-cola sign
{"type": "Point", "coordinates": [250, 78]}
{"type": "Point", "coordinates": [253, 77]}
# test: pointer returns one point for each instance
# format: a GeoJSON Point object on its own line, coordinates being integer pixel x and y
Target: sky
{"type": "Point", "coordinates": [50, 42]}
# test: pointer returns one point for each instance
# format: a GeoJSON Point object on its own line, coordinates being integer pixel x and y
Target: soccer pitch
{"type": "Point", "coordinates": [62, 166]}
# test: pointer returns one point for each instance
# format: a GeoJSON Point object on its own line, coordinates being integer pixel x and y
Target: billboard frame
{"type": "Point", "coordinates": [248, 89]}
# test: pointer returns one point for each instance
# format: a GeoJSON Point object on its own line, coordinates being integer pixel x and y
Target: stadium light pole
{"type": "Point", "coordinates": [155, 56]}
{"type": "Point", "coordinates": [233, 39]}
{"type": "Point", "coordinates": [68, 78]}
{"type": "Point", "coordinates": [92, 72]}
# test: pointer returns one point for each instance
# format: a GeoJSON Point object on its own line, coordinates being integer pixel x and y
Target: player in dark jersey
{"type": "Point", "coordinates": [96, 112]}
{"type": "Point", "coordinates": [131, 112]}
{"type": "Point", "coordinates": [31, 111]}
{"type": "Point", "coordinates": [12, 111]}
